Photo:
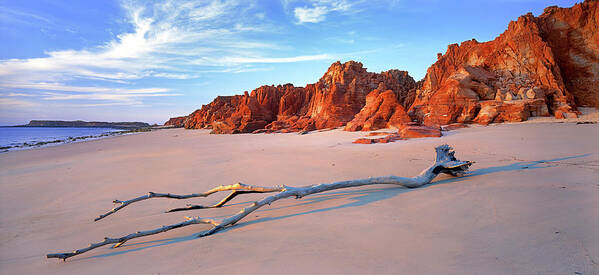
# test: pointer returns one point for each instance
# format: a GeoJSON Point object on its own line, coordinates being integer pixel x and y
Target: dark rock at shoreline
{"type": "Point", "coordinates": [80, 123]}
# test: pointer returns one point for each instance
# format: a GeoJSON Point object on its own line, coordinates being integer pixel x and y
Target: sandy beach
{"type": "Point", "coordinates": [528, 207]}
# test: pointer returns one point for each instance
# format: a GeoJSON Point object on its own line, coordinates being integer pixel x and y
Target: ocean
{"type": "Point", "coordinates": [25, 137]}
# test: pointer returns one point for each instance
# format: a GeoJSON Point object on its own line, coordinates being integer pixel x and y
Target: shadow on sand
{"type": "Point", "coordinates": [357, 198]}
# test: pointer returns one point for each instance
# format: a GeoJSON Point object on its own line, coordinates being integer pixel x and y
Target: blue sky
{"type": "Point", "coordinates": [148, 61]}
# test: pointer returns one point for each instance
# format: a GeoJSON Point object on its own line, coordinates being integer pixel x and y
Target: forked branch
{"type": "Point", "coordinates": [150, 195]}
{"type": "Point", "coordinates": [445, 163]}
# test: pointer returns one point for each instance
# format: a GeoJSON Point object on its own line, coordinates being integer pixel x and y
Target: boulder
{"type": "Point", "coordinates": [488, 113]}
{"type": "Point", "coordinates": [364, 141]}
{"type": "Point", "coordinates": [453, 126]}
{"type": "Point", "coordinates": [419, 132]}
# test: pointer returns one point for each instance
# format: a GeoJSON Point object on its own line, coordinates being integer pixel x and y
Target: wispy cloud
{"type": "Point", "coordinates": [10, 102]}
{"type": "Point", "coordinates": [101, 96]}
{"type": "Point", "coordinates": [240, 60]}
{"type": "Point", "coordinates": [316, 10]}
{"type": "Point", "coordinates": [310, 15]}
{"type": "Point", "coordinates": [61, 87]}
{"type": "Point", "coordinates": [167, 40]}
{"type": "Point", "coordinates": [16, 16]}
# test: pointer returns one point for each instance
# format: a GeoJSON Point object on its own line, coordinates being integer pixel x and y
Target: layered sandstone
{"type": "Point", "coordinates": [573, 35]}
{"type": "Point", "coordinates": [539, 66]}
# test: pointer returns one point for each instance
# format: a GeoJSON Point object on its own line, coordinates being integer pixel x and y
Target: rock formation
{"type": "Point", "coordinates": [331, 102]}
{"type": "Point", "coordinates": [407, 131]}
{"type": "Point", "coordinates": [540, 66]}
{"type": "Point", "coordinates": [382, 110]}
{"type": "Point", "coordinates": [176, 121]}
{"type": "Point", "coordinates": [573, 35]}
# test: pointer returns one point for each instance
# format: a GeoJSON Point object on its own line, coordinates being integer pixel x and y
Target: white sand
{"type": "Point", "coordinates": [587, 115]}
{"type": "Point", "coordinates": [509, 217]}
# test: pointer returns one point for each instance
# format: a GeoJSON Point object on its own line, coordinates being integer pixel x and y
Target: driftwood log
{"type": "Point", "coordinates": [445, 162]}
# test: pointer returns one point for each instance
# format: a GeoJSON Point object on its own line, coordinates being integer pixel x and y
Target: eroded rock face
{"type": "Point", "coordinates": [240, 113]}
{"type": "Point", "coordinates": [573, 35]}
{"type": "Point", "coordinates": [331, 102]}
{"type": "Point", "coordinates": [530, 60]}
{"type": "Point", "coordinates": [176, 121]}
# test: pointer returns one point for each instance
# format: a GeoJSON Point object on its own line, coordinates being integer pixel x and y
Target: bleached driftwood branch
{"type": "Point", "coordinates": [445, 162]}
{"type": "Point", "coordinates": [235, 187]}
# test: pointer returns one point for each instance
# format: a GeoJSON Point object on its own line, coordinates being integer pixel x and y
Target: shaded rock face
{"type": "Point", "coordinates": [331, 102]}
{"type": "Point", "coordinates": [176, 121]}
{"type": "Point", "coordinates": [553, 56]}
{"type": "Point", "coordinates": [240, 113]}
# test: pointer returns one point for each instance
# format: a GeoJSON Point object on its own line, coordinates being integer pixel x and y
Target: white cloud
{"type": "Point", "coordinates": [310, 15]}
{"type": "Point", "coordinates": [57, 91]}
{"type": "Point", "coordinates": [318, 10]}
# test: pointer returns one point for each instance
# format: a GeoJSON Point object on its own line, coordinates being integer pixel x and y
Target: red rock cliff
{"type": "Point", "coordinates": [331, 102]}
{"type": "Point", "coordinates": [573, 35]}
{"type": "Point", "coordinates": [539, 65]}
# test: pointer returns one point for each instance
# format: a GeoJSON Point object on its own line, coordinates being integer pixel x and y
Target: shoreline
{"type": "Point", "coordinates": [69, 140]}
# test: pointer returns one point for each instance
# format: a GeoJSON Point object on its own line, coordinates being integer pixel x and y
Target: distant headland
{"type": "Point", "coordinates": [81, 123]}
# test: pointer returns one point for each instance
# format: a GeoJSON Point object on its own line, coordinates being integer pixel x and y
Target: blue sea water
{"type": "Point", "coordinates": [22, 137]}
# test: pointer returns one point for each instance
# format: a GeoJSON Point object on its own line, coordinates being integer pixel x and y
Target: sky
{"type": "Point", "coordinates": [131, 60]}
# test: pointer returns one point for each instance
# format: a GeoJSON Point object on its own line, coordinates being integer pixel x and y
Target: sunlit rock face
{"type": "Point", "coordinates": [331, 102]}
{"type": "Point", "coordinates": [539, 66]}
